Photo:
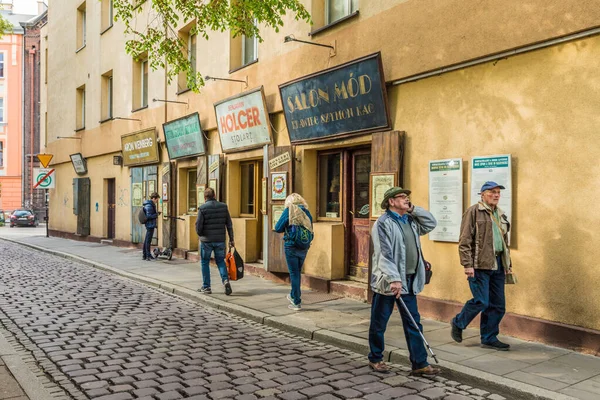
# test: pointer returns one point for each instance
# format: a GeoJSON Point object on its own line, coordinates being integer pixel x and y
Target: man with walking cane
{"type": "Point", "coordinates": [398, 275]}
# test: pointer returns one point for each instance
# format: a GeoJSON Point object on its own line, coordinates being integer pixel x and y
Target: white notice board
{"type": "Point", "coordinates": [446, 198]}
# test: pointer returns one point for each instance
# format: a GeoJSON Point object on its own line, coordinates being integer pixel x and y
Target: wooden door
{"type": "Point", "coordinates": [83, 206]}
{"type": "Point", "coordinates": [358, 214]}
{"type": "Point", "coordinates": [110, 208]}
{"type": "Point", "coordinates": [137, 199]}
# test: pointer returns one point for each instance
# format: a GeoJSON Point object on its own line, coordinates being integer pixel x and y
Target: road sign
{"type": "Point", "coordinates": [45, 159]}
{"type": "Point", "coordinates": [44, 178]}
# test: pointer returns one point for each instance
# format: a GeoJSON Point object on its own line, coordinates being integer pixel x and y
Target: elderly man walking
{"type": "Point", "coordinates": [486, 261]}
{"type": "Point", "coordinates": [398, 271]}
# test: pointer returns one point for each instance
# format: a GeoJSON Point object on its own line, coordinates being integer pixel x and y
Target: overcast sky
{"type": "Point", "coordinates": [25, 6]}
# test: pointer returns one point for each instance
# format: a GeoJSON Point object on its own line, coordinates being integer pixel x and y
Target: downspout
{"type": "Point", "coordinates": [23, 119]}
{"type": "Point", "coordinates": [31, 112]}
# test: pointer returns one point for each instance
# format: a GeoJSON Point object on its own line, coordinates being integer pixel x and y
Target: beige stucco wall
{"type": "Point", "coordinates": [542, 108]}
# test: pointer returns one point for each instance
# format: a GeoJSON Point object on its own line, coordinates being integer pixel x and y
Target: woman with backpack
{"type": "Point", "coordinates": [296, 222]}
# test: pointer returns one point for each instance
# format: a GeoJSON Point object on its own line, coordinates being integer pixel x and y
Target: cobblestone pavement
{"type": "Point", "coordinates": [95, 335]}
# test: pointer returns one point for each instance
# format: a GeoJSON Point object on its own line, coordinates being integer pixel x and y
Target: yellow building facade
{"type": "Point", "coordinates": [461, 79]}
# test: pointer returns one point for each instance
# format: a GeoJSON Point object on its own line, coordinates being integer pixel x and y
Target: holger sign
{"type": "Point", "coordinates": [347, 99]}
{"type": "Point", "coordinates": [243, 121]}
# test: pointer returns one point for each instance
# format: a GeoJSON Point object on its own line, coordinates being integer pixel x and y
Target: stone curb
{"type": "Point", "coordinates": [31, 385]}
{"type": "Point", "coordinates": [508, 387]}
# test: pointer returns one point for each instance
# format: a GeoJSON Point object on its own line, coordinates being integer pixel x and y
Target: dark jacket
{"type": "Point", "coordinates": [284, 223]}
{"type": "Point", "coordinates": [213, 218]}
{"type": "Point", "coordinates": [151, 214]}
{"type": "Point", "coordinates": [476, 243]}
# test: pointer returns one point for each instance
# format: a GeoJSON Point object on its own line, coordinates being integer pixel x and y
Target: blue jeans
{"type": "Point", "coordinates": [206, 249]}
{"type": "Point", "coordinates": [488, 299]}
{"type": "Point", "coordinates": [381, 310]}
{"type": "Point", "coordinates": [295, 261]}
{"type": "Point", "coordinates": [147, 242]}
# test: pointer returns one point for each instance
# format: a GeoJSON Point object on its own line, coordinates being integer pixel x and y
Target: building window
{"type": "Point", "coordinates": [107, 96]}
{"type": "Point", "coordinates": [80, 105]}
{"type": "Point", "coordinates": [243, 51]}
{"type": "Point", "coordinates": [249, 49]}
{"type": "Point", "coordinates": [1, 65]}
{"type": "Point", "coordinates": [140, 83]}
{"type": "Point", "coordinates": [330, 186]}
{"type": "Point", "coordinates": [248, 189]}
{"type": "Point", "coordinates": [338, 9]}
{"type": "Point", "coordinates": [190, 40]}
{"type": "Point", "coordinates": [81, 25]}
{"type": "Point", "coordinates": [107, 14]}
{"type": "Point", "coordinates": [1, 109]}
{"type": "Point", "coordinates": [191, 191]}
{"type": "Point", "coordinates": [1, 154]}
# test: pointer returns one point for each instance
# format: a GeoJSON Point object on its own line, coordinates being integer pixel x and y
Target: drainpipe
{"type": "Point", "coordinates": [23, 119]}
{"type": "Point", "coordinates": [31, 113]}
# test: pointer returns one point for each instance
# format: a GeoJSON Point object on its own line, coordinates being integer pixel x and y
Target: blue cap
{"type": "Point", "coordinates": [490, 185]}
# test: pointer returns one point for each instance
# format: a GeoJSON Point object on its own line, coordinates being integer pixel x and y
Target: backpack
{"type": "Point", "coordinates": [301, 236]}
{"type": "Point", "coordinates": [142, 216]}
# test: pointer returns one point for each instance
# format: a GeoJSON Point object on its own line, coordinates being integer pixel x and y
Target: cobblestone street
{"type": "Point", "coordinates": [99, 336]}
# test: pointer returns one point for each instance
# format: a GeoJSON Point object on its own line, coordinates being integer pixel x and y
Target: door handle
{"type": "Point", "coordinates": [351, 212]}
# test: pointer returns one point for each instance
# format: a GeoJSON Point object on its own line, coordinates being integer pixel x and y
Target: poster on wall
{"type": "Point", "coordinates": [200, 194]}
{"type": "Point", "coordinates": [276, 211]}
{"type": "Point", "coordinates": [278, 185]}
{"type": "Point", "coordinates": [243, 121]}
{"type": "Point", "coordinates": [136, 195]}
{"type": "Point", "coordinates": [446, 198]}
{"type": "Point", "coordinates": [380, 183]}
{"type": "Point", "coordinates": [493, 168]}
{"type": "Point", "coordinates": [214, 185]}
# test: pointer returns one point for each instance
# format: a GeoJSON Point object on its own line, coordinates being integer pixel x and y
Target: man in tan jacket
{"type": "Point", "coordinates": [486, 261]}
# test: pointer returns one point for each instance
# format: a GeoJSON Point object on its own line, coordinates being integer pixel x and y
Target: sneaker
{"type": "Point", "coordinates": [205, 290]}
{"type": "Point", "coordinates": [456, 332]}
{"type": "Point", "coordinates": [497, 345]}
{"type": "Point", "coordinates": [295, 307]}
{"type": "Point", "coordinates": [227, 288]}
{"type": "Point", "coordinates": [289, 298]}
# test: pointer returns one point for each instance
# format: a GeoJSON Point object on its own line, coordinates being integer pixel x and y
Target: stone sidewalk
{"type": "Point", "coordinates": [532, 368]}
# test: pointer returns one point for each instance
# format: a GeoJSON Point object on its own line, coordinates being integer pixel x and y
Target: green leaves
{"type": "Point", "coordinates": [5, 26]}
{"type": "Point", "coordinates": [155, 34]}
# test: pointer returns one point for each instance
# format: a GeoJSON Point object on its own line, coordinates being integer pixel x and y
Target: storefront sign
{"type": "Point", "coordinates": [79, 163]}
{"type": "Point", "coordinates": [347, 99]}
{"type": "Point", "coordinates": [279, 160]}
{"type": "Point", "coordinates": [139, 148]}
{"type": "Point", "coordinates": [184, 137]}
{"type": "Point", "coordinates": [497, 169]}
{"type": "Point", "coordinates": [243, 121]}
{"type": "Point", "coordinates": [213, 167]}
{"type": "Point", "coordinates": [446, 198]}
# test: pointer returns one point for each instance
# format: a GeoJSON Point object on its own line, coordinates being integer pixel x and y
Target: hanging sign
{"type": "Point", "coordinates": [243, 121]}
{"type": "Point", "coordinates": [345, 100]}
{"type": "Point", "coordinates": [279, 160]}
{"type": "Point", "coordinates": [446, 198]}
{"type": "Point", "coordinates": [79, 163]}
{"type": "Point", "coordinates": [184, 137]}
{"type": "Point", "coordinates": [139, 148]}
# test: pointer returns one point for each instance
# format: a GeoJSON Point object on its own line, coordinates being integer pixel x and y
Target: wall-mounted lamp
{"type": "Point", "coordinates": [291, 38]}
{"type": "Point", "coordinates": [169, 101]}
{"type": "Point", "coordinates": [212, 78]}
{"type": "Point", "coordinates": [68, 137]}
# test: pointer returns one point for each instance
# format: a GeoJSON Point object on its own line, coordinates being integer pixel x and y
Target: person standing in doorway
{"type": "Point", "coordinates": [486, 260]}
{"type": "Point", "coordinates": [296, 222]}
{"type": "Point", "coordinates": [399, 272]}
{"type": "Point", "coordinates": [213, 219]}
{"type": "Point", "coordinates": [151, 217]}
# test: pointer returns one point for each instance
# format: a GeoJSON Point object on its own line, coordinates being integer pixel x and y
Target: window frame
{"type": "Point", "coordinates": [342, 184]}
{"type": "Point", "coordinates": [107, 97]}
{"type": "Point", "coordinates": [349, 11]}
{"type": "Point", "coordinates": [2, 151]}
{"type": "Point", "coordinates": [144, 83]}
{"type": "Point", "coordinates": [107, 20]}
{"type": "Point", "coordinates": [80, 100]}
{"type": "Point", "coordinates": [2, 64]}
{"type": "Point", "coordinates": [81, 27]}
{"type": "Point", "coordinates": [2, 111]}
{"type": "Point", "coordinates": [191, 190]}
{"type": "Point", "coordinates": [255, 165]}
{"type": "Point", "coordinates": [255, 50]}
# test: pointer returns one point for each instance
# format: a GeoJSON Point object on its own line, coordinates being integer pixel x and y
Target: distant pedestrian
{"type": "Point", "coordinates": [296, 222]}
{"type": "Point", "coordinates": [486, 260]}
{"type": "Point", "coordinates": [213, 220]}
{"type": "Point", "coordinates": [151, 217]}
{"type": "Point", "coordinates": [398, 271]}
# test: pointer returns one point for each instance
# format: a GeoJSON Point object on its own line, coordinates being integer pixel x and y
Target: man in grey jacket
{"type": "Point", "coordinates": [213, 219]}
{"type": "Point", "coordinates": [398, 270]}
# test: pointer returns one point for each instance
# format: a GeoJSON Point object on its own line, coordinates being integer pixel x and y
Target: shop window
{"type": "Point", "coordinates": [1, 64]}
{"type": "Point", "coordinates": [80, 108]}
{"type": "Point", "coordinates": [140, 83]}
{"type": "Point", "coordinates": [1, 109]}
{"type": "Point", "coordinates": [107, 96]}
{"type": "Point", "coordinates": [81, 26]}
{"type": "Point", "coordinates": [107, 14]}
{"type": "Point", "coordinates": [248, 189]}
{"type": "Point", "coordinates": [192, 202]}
{"type": "Point", "coordinates": [330, 186]}
{"type": "Point", "coordinates": [189, 37]}
{"type": "Point", "coordinates": [338, 9]}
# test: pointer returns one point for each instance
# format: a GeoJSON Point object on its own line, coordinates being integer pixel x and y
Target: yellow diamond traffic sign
{"type": "Point", "coordinates": [45, 159]}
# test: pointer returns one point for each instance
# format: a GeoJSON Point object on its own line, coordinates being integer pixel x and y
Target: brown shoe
{"type": "Point", "coordinates": [428, 370]}
{"type": "Point", "coordinates": [380, 367]}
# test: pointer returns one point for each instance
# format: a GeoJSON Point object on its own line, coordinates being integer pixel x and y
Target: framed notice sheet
{"type": "Point", "coordinates": [446, 198]}
{"type": "Point", "coordinates": [200, 194]}
{"type": "Point", "coordinates": [214, 184]}
{"type": "Point", "coordinates": [493, 168]}
{"type": "Point", "coordinates": [136, 195]}
{"type": "Point", "coordinates": [380, 183]}
{"type": "Point", "coordinates": [276, 211]}
{"type": "Point", "coordinates": [263, 208]}
{"type": "Point", "coordinates": [279, 185]}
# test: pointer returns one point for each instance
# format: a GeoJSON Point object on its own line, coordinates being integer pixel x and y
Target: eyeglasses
{"type": "Point", "coordinates": [401, 196]}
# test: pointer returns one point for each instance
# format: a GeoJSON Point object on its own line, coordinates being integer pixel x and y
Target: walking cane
{"type": "Point", "coordinates": [418, 330]}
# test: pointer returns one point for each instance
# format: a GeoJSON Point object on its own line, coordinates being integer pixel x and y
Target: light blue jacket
{"type": "Point", "coordinates": [389, 251]}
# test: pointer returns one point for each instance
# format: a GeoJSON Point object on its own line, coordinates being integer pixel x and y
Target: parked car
{"type": "Point", "coordinates": [23, 218]}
